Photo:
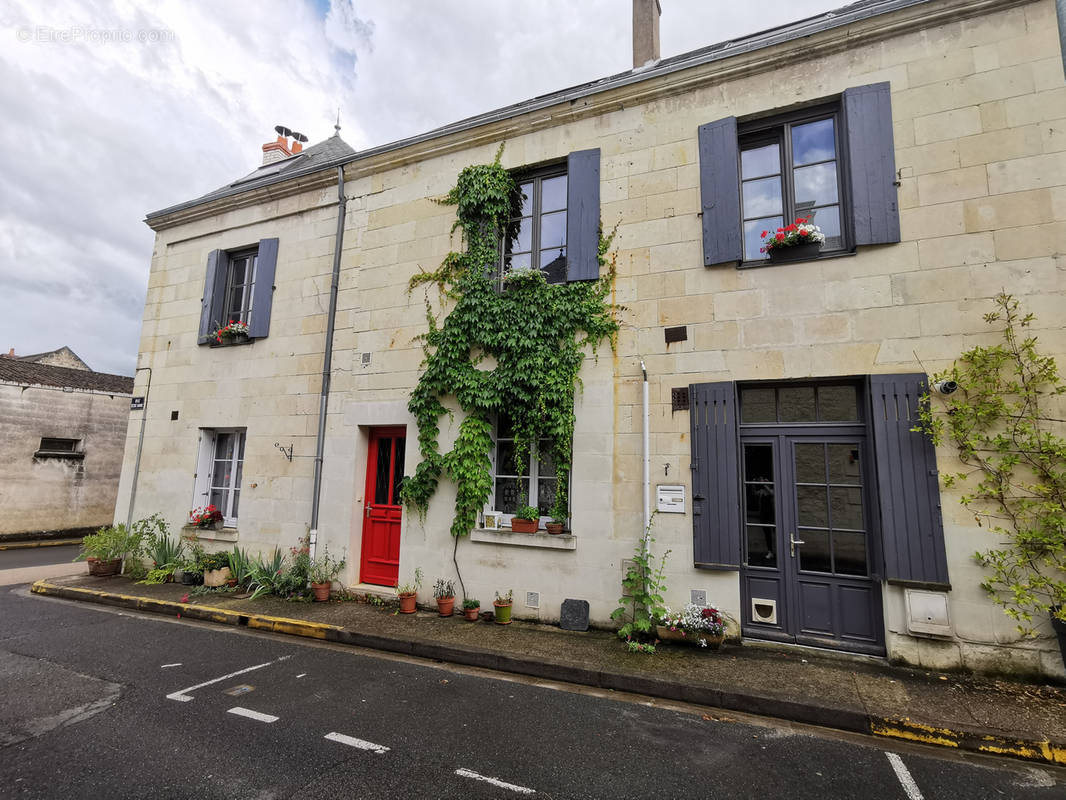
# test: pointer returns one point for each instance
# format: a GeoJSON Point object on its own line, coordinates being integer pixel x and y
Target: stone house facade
{"type": "Point", "coordinates": [63, 433]}
{"type": "Point", "coordinates": [926, 139]}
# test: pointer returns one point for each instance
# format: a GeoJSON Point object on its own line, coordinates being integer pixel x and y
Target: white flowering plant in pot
{"type": "Point", "coordinates": [699, 624]}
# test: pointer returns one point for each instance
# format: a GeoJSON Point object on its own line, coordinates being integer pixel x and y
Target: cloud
{"type": "Point", "coordinates": [115, 108]}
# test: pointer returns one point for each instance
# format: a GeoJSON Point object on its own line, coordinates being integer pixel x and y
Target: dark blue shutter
{"type": "Point", "coordinates": [720, 192]}
{"type": "Point", "coordinates": [871, 164]}
{"type": "Point", "coordinates": [715, 478]}
{"type": "Point", "coordinates": [583, 215]}
{"type": "Point", "coordinates": [263, 289]}
{"type": "Point", "coordinates": [214, 291]}
{"type": "Point", "coordinates": [912, 532]}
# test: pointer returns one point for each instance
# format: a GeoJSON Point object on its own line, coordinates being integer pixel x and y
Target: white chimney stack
{"type": "Point", "coordinates": [646, 15]}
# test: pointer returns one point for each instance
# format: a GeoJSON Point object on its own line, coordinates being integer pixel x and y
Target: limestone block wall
{"type": "Point", "coordinates": [269, 387]}
{"type": "Point", "coordinates": [979, 120]}
{"type": "Point", "coordinates": [977, 106]}
{"type": "Point", "coordinates": [49, 494]}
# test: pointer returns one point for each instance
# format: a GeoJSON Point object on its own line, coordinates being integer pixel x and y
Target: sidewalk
{"type": "Point", "coordinates": [953, 710]}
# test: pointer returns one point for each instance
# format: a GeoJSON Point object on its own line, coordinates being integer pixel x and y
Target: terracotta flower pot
{"type": "Point", "coordinates": [472, 613]}
{"type": "Point", "coordinates": [503, 613]}
{"type": "Point", "coordinates": [554, 528]}
{"type": "Point", "coordinates": [407, 602]}
{"type": "Point", "coordinates": [321, 591]}
{"type": "Point", "coordinates": [446, 606]}
{"type": "Point", "coordinates": [103, 568]}
{"type": "Point", "coordinates": [524, 525]}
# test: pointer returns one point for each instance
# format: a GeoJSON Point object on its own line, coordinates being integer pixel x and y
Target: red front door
{"type": "Point", "coordinates": [381, 507]}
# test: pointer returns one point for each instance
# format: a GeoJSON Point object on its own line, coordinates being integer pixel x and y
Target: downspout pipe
{"type": "Point", "coordinates": [645, 472]}
{"type": "Point", "coordinates": [327, 360]}
{"type": "Point", "coordinates": [1060, 12]}
{"type": "Point", "coordinates": [140, 446]}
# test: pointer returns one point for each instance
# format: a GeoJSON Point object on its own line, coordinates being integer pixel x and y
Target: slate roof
{"type": "Point", "coordinates": [338, 154]}
{"type": "Point", "coordinates": [330, 152]}
{"type": "Point", "coordinates": [30, 373]}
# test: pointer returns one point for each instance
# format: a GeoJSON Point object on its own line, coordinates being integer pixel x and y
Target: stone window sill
{"type": "Point", "coordinates": [541, 539]}
{"type": "Point", "coordinates": [223, 535]}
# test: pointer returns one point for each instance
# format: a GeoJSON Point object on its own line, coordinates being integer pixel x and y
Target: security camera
{"type": "Point", "coordinates": [946, 387]}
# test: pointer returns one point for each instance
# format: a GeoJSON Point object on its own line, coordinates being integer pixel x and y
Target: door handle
{"type": "Point", "coordinates": [368, 509]}
{"type": "Point", "coordinates": [792, 542]}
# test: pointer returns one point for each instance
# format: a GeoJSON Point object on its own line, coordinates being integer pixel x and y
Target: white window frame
{"type": "Point", "coordinates": [532, 474]}
{"type": "Point", "coordinates": [205, 468]}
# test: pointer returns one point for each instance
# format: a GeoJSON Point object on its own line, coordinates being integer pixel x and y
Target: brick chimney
{"type": "Point", "coordinates": [276, 151]}
{"type": "Point", "coordinates": [646, 15]}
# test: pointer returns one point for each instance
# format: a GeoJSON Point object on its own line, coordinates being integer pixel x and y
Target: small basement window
{"type": "Point", "coordinates": [52, 447]}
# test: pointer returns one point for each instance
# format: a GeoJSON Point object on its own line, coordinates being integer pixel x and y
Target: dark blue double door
{"type": "Point", "coordinates": [808, 571]}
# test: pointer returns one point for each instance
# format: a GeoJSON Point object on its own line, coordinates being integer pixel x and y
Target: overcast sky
{"type": "Point", "coordinates": [114, 108]}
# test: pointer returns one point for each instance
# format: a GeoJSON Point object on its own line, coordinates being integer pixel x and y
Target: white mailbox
{"type": "Point", "coordinates": [670, 499]}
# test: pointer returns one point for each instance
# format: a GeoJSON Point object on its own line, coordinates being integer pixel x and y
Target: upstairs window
{"type": "Point", "coordinates": [240, 280]}
{"type": "Point", "coordinates": [535, 237]}
{"type": "Point", "coordinates": [833, 163]}
{"type": "Point", "coordinates": [555, 225]}
{"type": "Point", "coordinates": [789, 168]}
{"type": "Point", "coordinates": [239, 287]}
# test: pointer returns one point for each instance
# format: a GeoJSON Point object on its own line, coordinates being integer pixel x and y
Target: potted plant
{"type": "Point", "coordinates": [105, 549]}
{"type": "Point", "coordinates": [324, 568]}
{"type": "Point", "coordinates": [215, 567]}
{"type": "Point", "coordinates": [232, 333]}
{"type": "Point", "coordinates": [408, 593]}
{"type": "Point", "coordinates": [502, 606]}
{"type": "Point", "coordinates": [702, 625]}
{"type": "Point", "coordinates": [796, 242]}
{"type": "Point", "coordinates": [525, 520]}
{"type": "Point", "coordinates": [444, 591]}
{"type": "Point", "coordinates": [471, 608]}
{"type": "Point", "coordinates": [206, 517]}
{"type": "Point", "coordinates": [555, 527]}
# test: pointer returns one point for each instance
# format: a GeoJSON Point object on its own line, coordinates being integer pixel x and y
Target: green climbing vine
{"type": "Point", "coordinates": [1015, 459]}
{"type": "Point", "coordinates": [535, 332]}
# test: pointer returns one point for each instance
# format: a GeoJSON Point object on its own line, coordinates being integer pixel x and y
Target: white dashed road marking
{"type": "Point", "coordinates": [904, 775]}
{"type": "Point", "coordinates": [182, 696]}
{"type": "Point", "coordinates": [466, 773]}
{"type": "Point", "coordinates": [247, 712]}
{"type": "Point", "coordinates": [362, 744]}
{"type": "Point", "coordinates": [166, 666]}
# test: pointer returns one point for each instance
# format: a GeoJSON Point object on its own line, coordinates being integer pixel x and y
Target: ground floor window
{"type": "Point", "coordinates": [532, 483]}
{"type": "Point", "coordinates": [218, 475]}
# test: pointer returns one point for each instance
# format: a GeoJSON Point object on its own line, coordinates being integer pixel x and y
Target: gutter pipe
{"type": "Point", "coordinates": [647, 461]}
{"type": "Point", "coordinates": [1060, 12]}
{"type": "Point", "coordinates": [327, 360]}
{"type": "Point", "coordinates": [140, 446]}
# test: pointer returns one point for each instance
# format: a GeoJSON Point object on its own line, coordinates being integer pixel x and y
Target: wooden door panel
{"type": "Point", "coordinates": [381, 510]}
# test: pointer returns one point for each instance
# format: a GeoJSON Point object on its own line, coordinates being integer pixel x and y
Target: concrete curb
{"type": "Point", "coordinates": [846, 719]}
{"type": "Point", "coordinates": [38, 543]}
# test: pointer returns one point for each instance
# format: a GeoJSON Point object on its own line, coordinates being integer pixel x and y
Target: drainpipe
{"type": "Point", "coordinates": [327, 360]}
{"type": "Point", "coordinates": [1060, 12]}
{"type": "Point", "coordinates": [647, 460]}
{"type": "Point", "coordinates": [140, 444]}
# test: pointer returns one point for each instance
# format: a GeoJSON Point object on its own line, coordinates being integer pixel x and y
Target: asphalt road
{"type": "Point", "coordinates": [36, 556]}
{"type": "Point", "coordinates": [96, 703]}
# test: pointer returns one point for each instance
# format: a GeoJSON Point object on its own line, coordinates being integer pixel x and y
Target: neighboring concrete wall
{"type": "Point", "coordinates": [39, 494]}
{"type": "Point", "coordinates": [979, 110]}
